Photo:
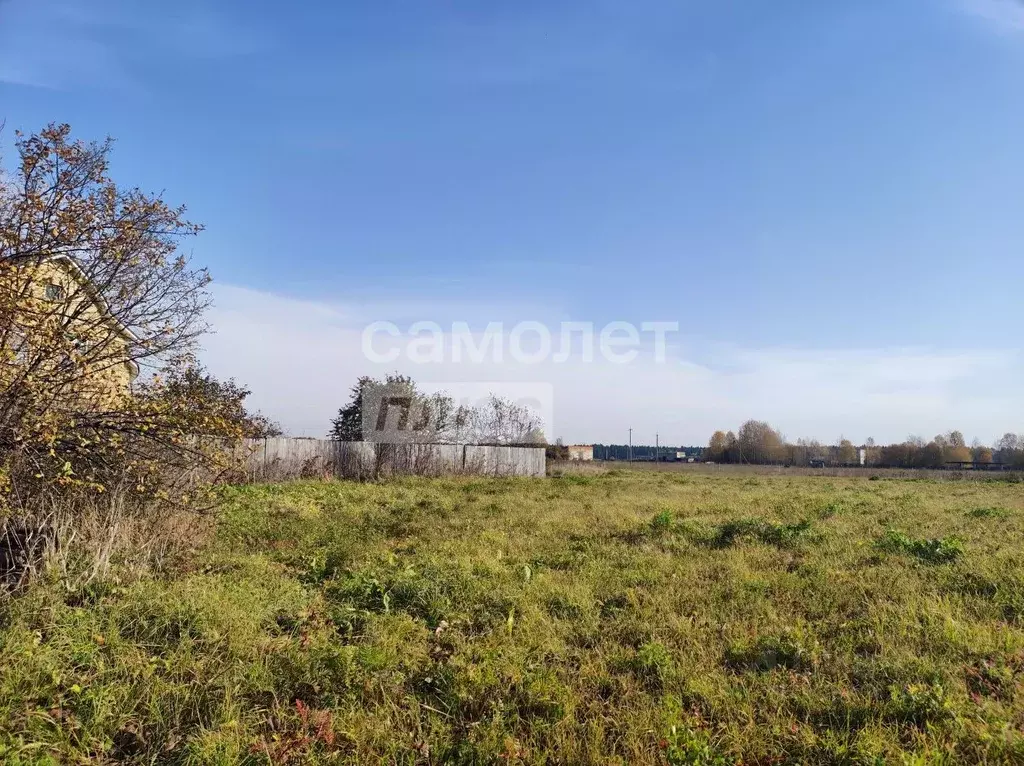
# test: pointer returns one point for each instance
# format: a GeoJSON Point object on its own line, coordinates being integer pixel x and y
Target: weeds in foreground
{"type": "Point", "coordinates": [930, 551]}
{"type": "Point", "coordinates": [529, 622]}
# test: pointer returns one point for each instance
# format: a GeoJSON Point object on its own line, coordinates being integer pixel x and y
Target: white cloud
{"type": "Point", "coordinates": [1007, 15]}
{"type": "Point", "coordinates": [301, 357]}
{"type": "Point", "coordinates": [59, 44]}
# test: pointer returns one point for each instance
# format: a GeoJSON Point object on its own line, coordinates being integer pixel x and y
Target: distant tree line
{"type": "Point", "coordinates": [640, 452]}
{"type": "Point", "coordinates": [757, 442]}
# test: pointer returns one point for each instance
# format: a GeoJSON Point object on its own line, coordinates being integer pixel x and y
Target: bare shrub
{"type": "Point", "coordinates": [315, 468]}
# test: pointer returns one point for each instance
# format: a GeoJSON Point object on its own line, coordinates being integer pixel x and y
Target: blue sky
{"type": "Point", "coordinates": [798, 183]}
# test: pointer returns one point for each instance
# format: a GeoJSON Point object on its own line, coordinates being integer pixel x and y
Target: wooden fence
{"type": "Point", "coordinates": [284, 458]}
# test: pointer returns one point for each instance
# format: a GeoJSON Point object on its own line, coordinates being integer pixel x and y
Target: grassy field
{"type": "Point", "coordinates": [627, 617]}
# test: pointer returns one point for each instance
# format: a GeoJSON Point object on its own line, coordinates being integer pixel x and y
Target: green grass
{"type": "Point", "coordinates": [935, 551]}
{"type": "Point", "coordinates": [630, 617]}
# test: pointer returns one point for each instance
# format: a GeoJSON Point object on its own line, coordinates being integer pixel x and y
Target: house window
{"type": "Point", "coordinates": [54, 293]}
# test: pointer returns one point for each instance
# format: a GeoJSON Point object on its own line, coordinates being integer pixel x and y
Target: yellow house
{"type": "Point", "coordinates": [64, 328]}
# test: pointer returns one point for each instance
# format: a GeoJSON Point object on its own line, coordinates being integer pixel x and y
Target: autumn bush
{"type": "Point", "coordinates": [131, 488]}
{"type": "Point", "coordinates": [108, 428]}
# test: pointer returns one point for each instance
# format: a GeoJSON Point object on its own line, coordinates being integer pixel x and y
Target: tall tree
{"type": "Point", "coordinates": [347, 426]}
{"type": "Point", "coordinates": [981, 455]}
{"type": "Point", "coordinates": [1009, 450]}
{"type": "Point", "coordinates": [408, 414]}
{"type": "Point", "coordinates": [758, 442]}
{"type": "Point", "coordinates": [731, 449]}
{"type": "Point", "coordinates": [1009, 442]}
{"type": "Point", "coordinates": [956, 450]}
{"type": "Point", "coordinates": [931, 455]}
{"type": "Point", "coordinates": [717, 446]}
{"type": "Point", "coordinates": [503, 421]}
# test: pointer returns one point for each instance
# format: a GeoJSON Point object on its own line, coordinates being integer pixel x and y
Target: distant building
{"type": "Point", "coordinates": [581, 452]}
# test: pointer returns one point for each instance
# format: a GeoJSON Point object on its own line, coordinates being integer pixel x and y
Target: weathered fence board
{"type": "Point", "coordinates": [284, 458]}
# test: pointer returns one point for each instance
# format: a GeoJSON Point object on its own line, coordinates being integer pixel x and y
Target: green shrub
{"type": "Point", "coordinates": [652, 663]}
{"type": "Point", "coordinates": [688, 747]}
{"type": "Point", "coordinates": [931, 551]}
{"type": "Point", "coordinates": [989, 513]}
{"type": "Point", "coordinates": [759, 530]}
{"type": "Point", "coordinates": [662, 522]}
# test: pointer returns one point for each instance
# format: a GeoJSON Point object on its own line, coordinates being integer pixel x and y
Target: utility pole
{"type": "Point", "coordinates": [631, 446]}
{"type": "Point", "coordinates": [657, 452]}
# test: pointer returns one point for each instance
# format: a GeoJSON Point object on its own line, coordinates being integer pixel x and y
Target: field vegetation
{"type": "Point", "coordinates": [618, 617]}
